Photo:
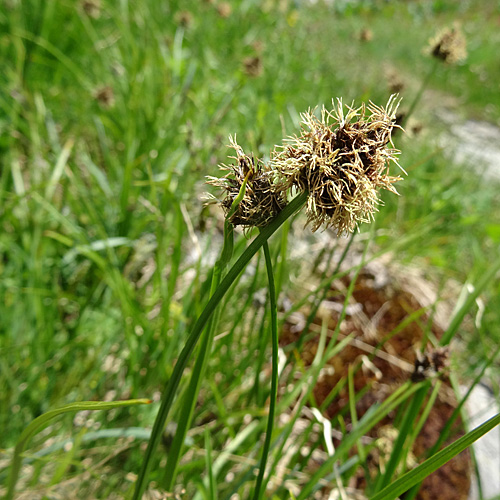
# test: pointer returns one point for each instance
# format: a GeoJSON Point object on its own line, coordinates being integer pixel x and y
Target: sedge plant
{"type": "Point", "coordinates": [335, 168]}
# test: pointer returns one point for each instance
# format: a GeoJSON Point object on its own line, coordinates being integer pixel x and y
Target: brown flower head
{"type": "Point", "coordinates": [449, 45]}
{"type": "Point", "coordinates": [224, 9]}
{"type": "Point", "coordinates": [264, 196]}
{"type": "Point", "coordinates": [252, 66]}
{"type": "Point", "coordinates": [341, 160]}
{"type": "Point", "coordinates": [92, 8]}
{"type": "Point", "coordinates": [431, 363]}
{"type": "Point", "coordinates": [184, 18]}
{"type": "Point", "coordinates": [365, 35]}
{"type": "Point", "coordinates": [105, 96]}
{"type": "Point", "coordinates": [394, 81]}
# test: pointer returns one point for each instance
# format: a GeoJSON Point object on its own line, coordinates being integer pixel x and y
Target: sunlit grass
{"type": "Point", "coordinates": [106, 247]}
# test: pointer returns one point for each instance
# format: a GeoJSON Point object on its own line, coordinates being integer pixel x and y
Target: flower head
{"type": "Point", "coordinates": [449, 45]}
{"type": "Point", "coordinates": [340, 159]}
{"type": "Point", "coordinates": [264, 198]}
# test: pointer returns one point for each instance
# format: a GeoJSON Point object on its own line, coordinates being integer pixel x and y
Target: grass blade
{"type": "Point", "coordinates": [173, 382]}
{"type": "Point", "coordinates": [208, 461]}
{"type": "Point", "coordinates": [431, 464]}
{"type": "Point", "coordinates": [261, 484]}
{"type": "Point", "coordinates": [469, 301]}
{"type": "Point", "coordinates": [43, 420]}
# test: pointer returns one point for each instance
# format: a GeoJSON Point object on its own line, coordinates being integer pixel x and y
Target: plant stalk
{"type": "Point", "coordinates": [261, 484]}
{"type": "Point", "coordinates": [182, 361]}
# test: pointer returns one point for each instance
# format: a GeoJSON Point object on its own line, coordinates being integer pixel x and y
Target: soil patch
{"type": "Point", "coordinates": [378, 306]}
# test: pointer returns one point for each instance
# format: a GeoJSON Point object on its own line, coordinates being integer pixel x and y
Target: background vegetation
{"type": "Point", "coordinates": [112, 113]}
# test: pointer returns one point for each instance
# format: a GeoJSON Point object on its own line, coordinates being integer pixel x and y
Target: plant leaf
{"type": "Point", "coordinates": [431, 464]}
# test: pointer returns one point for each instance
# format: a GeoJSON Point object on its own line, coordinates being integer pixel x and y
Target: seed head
{"type": "Point", "coordinates": [449, 45]}
{"type": "Point", "coordinates": [105, 96]}
{"type": "Point", "coordinates": [252, 66]}
{"type": "Point", "coordinates": [341, 160]}
{"type": "Point", "coordinates": [264, 196]}
{"type": "Point", "coordinates": [92, 8]}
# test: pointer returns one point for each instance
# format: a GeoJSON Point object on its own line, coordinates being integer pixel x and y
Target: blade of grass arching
{"type": "Point", "coordinates": [43, 420]}
{"type": "Point", "coordinates": [398, 451]}
{"type": "Point", "coordinates": [260, 485]}
{"type": "Point", "coordinates": [130, 432]}
{"type": "Point", "coordinates": [426, 468]}
{"type": "Point", "coordinates": [445, 432]}
{"type": "Point", "coordinates": [208, 466]}
{"type": "Point", "coordinates": [469, 301]}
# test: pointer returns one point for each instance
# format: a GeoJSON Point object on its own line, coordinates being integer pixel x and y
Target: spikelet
{"type": "Point", "coordinates": [341, 160]}
{"type": "Point", "coordinates": [263, 198]}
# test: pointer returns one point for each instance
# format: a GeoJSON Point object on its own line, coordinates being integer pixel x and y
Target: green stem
{"type": "Point", "coordinates": [420, 92]}
{"type": "Point", "coordinates": [260, 485]}
{"type": "Point", "coordinates": [191, 395]}
{"type": "Point", "coordinates": [182, 361]}
{"type": "Point", "coordinates": [459, 315]}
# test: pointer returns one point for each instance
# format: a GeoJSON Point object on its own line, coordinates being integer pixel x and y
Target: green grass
{"type": "Point", "coordinates": [101, 208]}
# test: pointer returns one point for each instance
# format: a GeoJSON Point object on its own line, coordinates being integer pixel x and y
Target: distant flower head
{"type": "Point", "coordinates": [365, 35]}
{"type": "Point", "coordinates": [341, 160]}
{"type": "Point", "coordinates": [92, 8]}
{"type": "Point", "coordinates": [449, 45]}
{"type": "Point", "coordinates": [105, 96]}
{"type": "Point", "coordinates": [224, 9]}
{"type": "Point", "coordinates": [252, 66]}
{"type": "Point", "coordinates": [394, 81]}
{"type": "Point", "coordinates": [264, 197]}
{"type": "Point", "coordinates": [184, 18]}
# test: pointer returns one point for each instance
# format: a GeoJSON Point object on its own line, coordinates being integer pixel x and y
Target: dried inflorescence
{"type": "Point", "coordinates": [341, 160]}
{"type": "Point", "coordinates": [264, 197]}
{"type": "Point", "coordinates": [449, 45]}
{"type": "Point", "coordinates": [394, 81]}
{"type": "Point", "coordinates": [431, 363]}
{"type": "Point", "coordinates": [92, 8]}
{"type": "Point", "coordinates": [105, 96]}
